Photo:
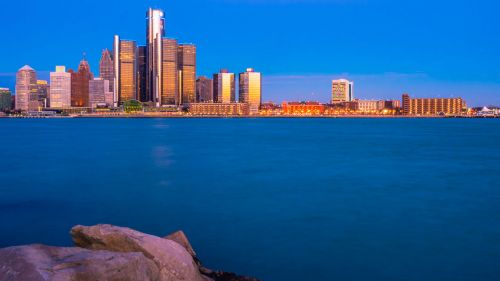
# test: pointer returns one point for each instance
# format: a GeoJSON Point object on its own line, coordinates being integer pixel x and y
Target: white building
{"type": "Point", "coordinates": [60, 88]}
{"type": "Point", "coordinates": [99, 93]}
{"type": "Point", "coordinates": [342, 91]}
{"type": "Point", "coordinates": [370, 106]}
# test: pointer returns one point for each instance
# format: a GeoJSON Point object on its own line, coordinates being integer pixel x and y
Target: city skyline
{"type": "Point", "coordinates": [467, 70]}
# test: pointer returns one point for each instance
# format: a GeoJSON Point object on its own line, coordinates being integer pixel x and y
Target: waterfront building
{"type": "Point", "coordinates": [42, 94]}
{"type": "Point", "coordinates": [155, 31]}
{"type": "Point", "coordinates": [309, 108]}
{"type": "Point", "coordinates": [342, 91]}
{"type": "Point", "coordinates": [224, 87]}
{"type": "Point", "coordinates": [392, 104]}
{"type": "Point", "coordinates": [204, 89]}
{"type": "Point", "coordinates": [5, 99]}
{"type": "Point", "coordinates": [250, 89]}
{"type": "Point", "coordinates": [186, 57]}
{"type": "Point", "coordinates": [219, 109]}
{"type": "Point", "coordinates": [25, 87]}
{"type": "Point", "coordinates": [432, 106]}
{"type": "Point", "coordinates": [80, 84]}
{"type": "Point", "coordinates": [142, 94]}
{"type": "Point", "coordinates": [170, 94]}
{"type": "Point", "coordinates": [106, 68]}
{"type": "Point", "coordinates": [99, 93]}
{"type": "Point", "coordinates": [370, 106]}
{"type": "Point", "coordinates": [60, 88]}
{"type": "Point", "coordinates": [125, 67]}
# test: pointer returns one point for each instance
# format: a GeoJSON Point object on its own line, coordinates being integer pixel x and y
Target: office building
{"type": "Point", "coordinates": [125, 59]}
{"type": "Point", "coordinates": [142, 94]}
{"type": "Point", "coordinates": [99, 93]}
{"type": "Point", "coordinates": [342, 91]}
{"type": "Point", "coordinates": [432, 106]}
{"type": "Point", "coordinates": [187, 71]}
{"type": "Point", "coordinates": [42, 94]}
{"type": "Point", "coordinates": [224, 83]}
{"type": "Point", "coordinates": [25, 87]}
{"type": "Point", "coordinates": [60, 88]}
{"type": "Point", "coordinates": [204, 89]}
{"type": "Point", "coordinates": [250, 90]}
{"type": "Point", "coordinates": [106, 68]}
{"type": "Point", "coordinates": [80, 84]}
{"type": "Point", "coordinates": [5, 100]}
{"type": "Point", "coordinates": [170, 94]}
{"type": "Point", "coordinates": [155, 31]}
{"type": "Point", "coordinates": [219, 109]}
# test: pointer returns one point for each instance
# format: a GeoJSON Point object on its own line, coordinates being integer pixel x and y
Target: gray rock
{"type": "Point", "coordinates": [44, 263]}
{"type": "Point", "coordinates": [173, 260]}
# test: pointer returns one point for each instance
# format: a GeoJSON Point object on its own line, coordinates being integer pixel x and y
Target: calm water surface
{"type": "Point", "coordinates": [280, 199]}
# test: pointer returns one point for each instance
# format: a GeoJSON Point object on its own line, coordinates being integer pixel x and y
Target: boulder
{"type": "Point", "coordinates": [182, 240]}
{"type": "Point", "coordinates": [173, 260]}
{"type": "Point", "coordinates": [45, 263]}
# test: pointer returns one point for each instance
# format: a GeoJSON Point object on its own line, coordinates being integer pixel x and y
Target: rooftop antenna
{"type": "Point", "coordinates": [84, 56]}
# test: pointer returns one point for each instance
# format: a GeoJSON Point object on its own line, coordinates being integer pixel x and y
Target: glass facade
{"type": "Point", "coordinates": [25, 87]}
{"type": "Point", "coordinates": [250, 90]}
{"type": "Point", "coordinates": [224, 87]}
{"type": "Point", "coordinates": [141, 75]}
{"type": "Point", "coordinates": [127, 72]}
{"type": "Point", "coordinates": [187, 68]}
{"type": "Point", "coordinates": [155, 31]}
{"type": "Point", "coordinates": [5, 99]}
{"type": "Point", "coordinates": [60, 88]}
{"type": "Point", "coordinates": [106, 68]}
{"type": "Point", "coordinates": [204, 89]}
{"type": "Point", "coordinates": [170, 79]}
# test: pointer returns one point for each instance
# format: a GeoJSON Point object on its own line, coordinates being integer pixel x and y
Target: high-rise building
{"type": "Point", "coordinates": [80, 84]}
{"type": "Point", "coordinates": [25, 87]}
{"type": "Point", "coordinates": [106, 68]}
{"type": "Point", "coordinates": [170, 75]}
{"type": "Point", "coordinates": [60, 88]}
{"type": "Point", "coordinates": [155, 31]}
{"type": "Point", "coordinates": [99, 93]}
{"type": "Point", "coordinates": [204, 89]}
{"type": "Point", "coordinates": [342, 91]}
{"type": "Point", "coordinates": [224, 87]}
{"type": "Point", "coordinates": [142, 94]}
{"type": "Point", "coordinates": [250, 90]}
{"type": "Point", "coordinates": [42, 90]}
{"type": "Point", "coordinates": [125, 59]}
{"type": "Point", "coordinates": [5, 99]}
{"type": "Point", "coordinates": [432, 106]}
{"type": "Point", "coordinates": [187, 72]}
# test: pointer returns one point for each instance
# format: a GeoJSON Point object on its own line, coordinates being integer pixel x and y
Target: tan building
{"type": "Point", "coordinates": [125, 60]}
{"type": "Point", "coordinates": [224, 88]}
{"type": "Point", "coordinates": [250, 90]}
{"type": "Point", "coordinates": [170, 74]}
{"type": "Point", "coordinates": [60, 88]}
{"type": "Point", "coordinates": [186, 58]}
{"type": "Point", "coordinates": [370, 106]}
{"type": "Point", "coordinates": [432, 106]}
{"type": "Point", "coordinates": [342, 91]}
{"type": "Point", "coordinates": [26, 88]}
{"type": "Point", "coordinates": [219, 109]}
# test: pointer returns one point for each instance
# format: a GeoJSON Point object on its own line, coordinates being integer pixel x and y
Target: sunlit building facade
{"type": "Point", "coordinates": [25, 87]}
{"type": "Point", "coordinates": [187, 71]}
{"type": "Point", "coordinates": [60, 88]}
{"type": "Point", "coordinates": [155, 31]}
{"type": "Point", "coordinates": [125, 59]}
{"type": "Point", "coordinates": [5, 99]}
{"type": "Point", "coordinates": [310, 108]}
{"type": "Point", "coordinates": [224, 87]}
{"type": "Point", "coordinates": [99, 93]}
{"type": "Point", "coordinates": [219, 109]}
{"type": "Point", "coordinates": [204, 89]}
{"type": "Point", "coordinates": [433, 106]}
{"type": "Point", "coordinates": [80, 84]}
{"type": "Point", "coordinates": [106, 68]}
{"type": "Point", "coordinates": [170, 94]}
{"type": "Point", "coordinates": [342, 91]}
{"type": "Point", "coordinates": [250, 90]}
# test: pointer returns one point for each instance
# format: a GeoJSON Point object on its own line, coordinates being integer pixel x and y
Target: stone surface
{"type": "Point", "coordinates": [44, 263]}
{"type": "Point", "coordinates": [181, 238]}
{"type": "Point", "coordinates": [173, 260]}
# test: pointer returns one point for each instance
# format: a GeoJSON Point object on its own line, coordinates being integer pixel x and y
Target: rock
{"type": "Point", "coordinates": [228, 276]}
{"type": "Point", "coordinates": [44, 263]}
{"type": "Point", "coordinates": [182, 240]}
{"type": "Point", "coordinates": [173, 260]}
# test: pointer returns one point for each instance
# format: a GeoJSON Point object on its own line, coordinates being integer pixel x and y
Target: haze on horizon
{"type": "Point", "coordinates": [427, 48]}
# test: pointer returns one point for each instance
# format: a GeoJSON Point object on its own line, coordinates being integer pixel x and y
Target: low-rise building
{"type": "Point", "coordinates": [433, 106]}
{"type": "Point", "coordinates": [310, 108]}
{"type": "Point", "coordinates": [219, 109]}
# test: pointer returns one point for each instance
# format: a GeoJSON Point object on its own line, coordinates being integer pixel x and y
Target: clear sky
{"type": "Point", "coordinates": [427, 48]}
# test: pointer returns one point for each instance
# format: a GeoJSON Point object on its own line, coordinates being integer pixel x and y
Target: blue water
{"type": "Point", "coordinates": [279, 199]}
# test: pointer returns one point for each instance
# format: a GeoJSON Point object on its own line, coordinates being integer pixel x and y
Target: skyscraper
{"type": "Point", "coordinates": [60, 88]}
{"type": "Point", "coordinates": [25, 86]}
{"type": "Point", "coordinates": [99, 93]}
{"type": "Point", "coordinates": [5, 99]}
{"type": "Point", "coordinates": [187, 71]}
{"type": "Point", "coordinates": [42, 90]}
{"type": "Point", "coordinates": [106, 68]}
{"type": "Point", "coordinates": [80, 84]}
{"type": "Point", "coordinates": [142, 94]}
{"type": "Point", "coordinates": [204, 89]}
{"type": "Point", "coordinates": [342, 91]}
{"type": "Point", "coordinates": [125, 59]}
{"type": "Point", "coordinates": [250, 90]}
{"type": "Point", "coordinates": [224, 88]}
{"type": "Point", "coordinates": [155, 31]}
{"type": "Point", "coordinates": [170, 75]}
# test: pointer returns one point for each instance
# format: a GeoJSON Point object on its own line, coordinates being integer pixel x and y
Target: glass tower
{"type": "Point", "coordinates": [155, 31]}
{"type": "Point", "coordinates": [25, 86]}
{"type": "Point", "coordinates": [187, 71]}
{"type": "Point", "coordinates": [250, 90]}
{"type": "Point", "coordinates": [170, 75]}
{"type": "Point", "coordinates": [106, 68]}
{"type": "Point", "coordinates": [125, 55]}
{"type": "Point", "coordinates": [224, 91]}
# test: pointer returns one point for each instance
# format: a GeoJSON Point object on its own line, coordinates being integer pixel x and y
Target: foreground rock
{"type": "Point", "coordinates": [110, 253]}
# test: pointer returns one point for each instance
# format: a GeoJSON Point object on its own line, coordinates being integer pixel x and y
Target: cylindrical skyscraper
{"type": "Point", "coordinates": [154, 34]}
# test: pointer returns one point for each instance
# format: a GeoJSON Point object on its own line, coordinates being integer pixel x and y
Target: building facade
{"type": "Point", "coordinates": [310, 108]}
{"type": "Point", "coordinates": [142, 94]}
{"type": "Point", "coordinates": [433, 106]}
{"type": "Point", "coordinates": [80, 84]}
{"type": "Point", "coordinates": [204, 89]}
{"type": "Point", "coordinates": [219, 109]}
{"type": "Point", "coordinates": [25, 87]}
{"type": "Point", "coordinates": [186, 57]}
{"type": "Point", "coordinates": [155, 31]}
{"type": "Point", "coordinates": [106, 68]}
{"type": "Point", "coordinates": [342, 91]}
{"type": "Point", "coordinates": [250, 90]}
{"type": "Point", "coordinates": [60, 88]}
{"type": "Point", "coordinates": [99, 93]}
{"type": "Point", "coordinates": [125, 59]}
{"type": "Point", "coordinates": [370, 106]}
{"type": "Point", "coordinates": [170, 94]}
{"type": "Point", "coordinates": [42, 94]}
{"type": "Point", "coordinates": [5, 99]}
{"type": "Point", "coordinates": [224, 87]}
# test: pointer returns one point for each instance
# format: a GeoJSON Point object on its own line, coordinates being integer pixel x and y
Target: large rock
{"type": "Point", "coordinates": [173, 260]}
{"type": "Point", "coordinates": [182, 240]}
{"type": "Point", "coordinates": [44, 263]}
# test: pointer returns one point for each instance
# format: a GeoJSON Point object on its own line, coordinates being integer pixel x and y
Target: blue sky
{"type": "Point", "coordinates": [426, 48]}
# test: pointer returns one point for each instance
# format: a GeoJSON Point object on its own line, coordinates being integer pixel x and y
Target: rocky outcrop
{"type": "Point", "coordinates": [110, 253]}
